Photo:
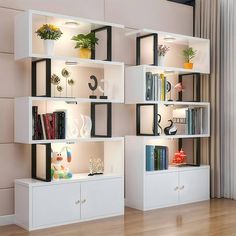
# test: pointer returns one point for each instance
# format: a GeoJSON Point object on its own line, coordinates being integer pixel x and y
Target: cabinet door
{"type": "Point", "coordinates": [161, 190]}
{"type": "Point", "coordinates": [194, 185]}
{"type": "Point", "coordinates": [56, 204]}
{"type": "Point", "coordinates": [102, 198]}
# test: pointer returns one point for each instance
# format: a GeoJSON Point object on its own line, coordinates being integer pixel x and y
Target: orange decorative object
{"type": "Point", "coordinates": [179, 158]}
{"type": "Point", "coordinates": [188, 65]}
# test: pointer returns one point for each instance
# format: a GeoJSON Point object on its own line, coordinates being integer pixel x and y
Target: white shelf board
{"type": "Point", "coordinates": [72, 100]}
{"type": "Point", "coordinates": [53, 141]}
{"type": "Point", "coordinates": [147, 138]}
{"type": "Point", "coordinates": [91, 139]}
{"type": "Point", "coordinates": [80, 139]}
{"type": "Point", "coordinates": [78, 61]}
{"type": "Point", "coordinates": [94, 23]}
{"type": "Point", "coordinates": [182, 39]}
{"type": "Point", "coordinates": [76, 178]}
{"type": "Point", "coordinates": [176, 169]}
{"type": "Point", "coordinates": [171, 70]}
{"type": "Point", "coordinates": [168, 70]}
{"type": "Point", "coordinates": [174, 103]}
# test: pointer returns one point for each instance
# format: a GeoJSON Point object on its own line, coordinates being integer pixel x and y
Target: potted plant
{"type": "Point", "coordinates": [85, 43]}
{"type": "Point", "coordinates": [189, 54]}
{"type": "Point", "coordinates": [162, 50]}
{"type": "Point", "coordinates": [49, 33]}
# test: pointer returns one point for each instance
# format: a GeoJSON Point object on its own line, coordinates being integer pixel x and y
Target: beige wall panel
{"type": "Point", "coordinates": [6, 120]}
{"type": "Point", "coordinates": [15, 162]}
{"type": "Point", "coordinates": [6, 201]}
{"type": "Point", "coordinates": [14, 77]}
{"type": "Point", "coordinates": [93, 9]}
{"type": "Point", "coordinates": [153, 14]}
{"type": "Point", "coordinates": [7, 29]}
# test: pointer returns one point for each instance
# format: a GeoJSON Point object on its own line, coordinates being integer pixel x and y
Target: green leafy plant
{"type": "Point", "coordinates": [85, 40]}
{"type": "Point", "coordinates": [48, 31]}
{"type": "Point", "coordinates": [189, 54]}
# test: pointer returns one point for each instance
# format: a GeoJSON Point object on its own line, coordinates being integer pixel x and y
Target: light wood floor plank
{"type": "Point", "coordinates": [215, 218]}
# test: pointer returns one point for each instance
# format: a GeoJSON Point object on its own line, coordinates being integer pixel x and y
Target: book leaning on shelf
{"type": "Point", "coordinates": [49, 125]}
{"type": "Point", "coordinates": [156, 87]}
{"type": "Point", "coordinates": [156, 158]}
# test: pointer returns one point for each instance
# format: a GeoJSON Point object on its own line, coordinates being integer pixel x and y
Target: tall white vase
{"type": "Point", "coordinates": [49, 47]}
{"type": "Point", "coordinates": [161, 60]}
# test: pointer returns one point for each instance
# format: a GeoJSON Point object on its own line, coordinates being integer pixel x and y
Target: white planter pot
{"type": "Point", "coordinates": [161, 60]}
{"type": "Point", "coordinates": [48, 46]}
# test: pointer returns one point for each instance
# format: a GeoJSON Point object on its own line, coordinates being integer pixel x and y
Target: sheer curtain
{"type": "Point", "coordinates": [207, 25]}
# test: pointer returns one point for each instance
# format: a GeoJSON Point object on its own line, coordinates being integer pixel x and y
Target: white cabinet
{"type": "Point", "coordinates": [194, 185]}
{"type": "Point", "coordinates": [41, 204]}
{"type": "Point", "coordinates": [161, 190]}
{"type": "Point", "coordinates": [176, 186]}
{"type": "Point", "coordinates": [55, 204]}
{"type": "Point", "coordinates": [101, 198]}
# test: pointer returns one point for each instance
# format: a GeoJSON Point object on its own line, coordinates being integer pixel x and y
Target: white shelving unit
{"type": "Point", "coordinates": [83, 197]}
{"type": "Point", "coordinates": [30, 46]}
{"type": "Point", "coordinates": [146, 190]}
{"type": "Point", "coordinates": [177, 43]}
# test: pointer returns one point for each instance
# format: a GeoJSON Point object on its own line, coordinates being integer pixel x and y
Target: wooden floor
{"type": "Point", "coordinates": [215, 217]}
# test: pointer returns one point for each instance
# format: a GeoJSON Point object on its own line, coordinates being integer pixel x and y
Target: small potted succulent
{"type": "Point", "coordinates": [49, 33]}
{"type": "Point", "coordinates": [85, 43]}
{"type": "Point", "coordinates": [162, 50]}
{"type": "Point", "coordinates": [189, 54]}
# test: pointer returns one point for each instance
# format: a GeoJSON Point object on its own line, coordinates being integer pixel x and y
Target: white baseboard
{"type": "Point", "coordinates": [7, 220]}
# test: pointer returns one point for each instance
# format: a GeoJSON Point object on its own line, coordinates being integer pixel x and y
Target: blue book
{"type": "Point", "coordinates": [150, 157]}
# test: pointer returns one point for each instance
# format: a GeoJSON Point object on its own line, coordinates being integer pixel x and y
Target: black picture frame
{"type": "Point", "coordinates": [108, 119]}
{"type": "Point", "coordinates": [155, 120]}
{"type": "Point", "coordinates": [34, 157]}
{"type": "Point", "coordinates": [47, 77]}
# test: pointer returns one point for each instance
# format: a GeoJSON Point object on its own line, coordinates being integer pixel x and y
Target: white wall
{"type": "Point", "coordinates": [15, 76]}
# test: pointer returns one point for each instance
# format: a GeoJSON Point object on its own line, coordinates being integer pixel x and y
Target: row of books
{"type": "Point", "coordinates": [156, 158]}
{"type": "Point", "coordinates": [156, 87]}
{"type": "Point", "coordinates": [194, 118]}
{"type": "Point", "coordinates": [49, 125]}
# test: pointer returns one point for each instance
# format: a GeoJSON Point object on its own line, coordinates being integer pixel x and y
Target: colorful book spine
{"type": "Point", "coordinates": [150, 157]}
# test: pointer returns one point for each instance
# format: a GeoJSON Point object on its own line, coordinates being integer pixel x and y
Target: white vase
{"type": "Point", "coordinates": [161, 60]}
{"type": "Point", "coordinates": [85, 130]}
{"type": "Point", "coordinates": [48, 46]}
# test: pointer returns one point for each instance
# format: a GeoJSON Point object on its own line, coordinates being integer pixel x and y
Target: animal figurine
{"type": "Point", "coordinates": [171, 129]}
{"type": "Point", "coordinates": [58, 169]}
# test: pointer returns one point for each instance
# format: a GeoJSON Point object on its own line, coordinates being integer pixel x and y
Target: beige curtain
{"type": "Point", "coordinates": [228, 98]}
{"type": "Point", "coordinates": [207, 25]}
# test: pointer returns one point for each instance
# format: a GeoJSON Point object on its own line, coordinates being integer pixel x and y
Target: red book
{"type": "Point", "coordinates": [47, 126]}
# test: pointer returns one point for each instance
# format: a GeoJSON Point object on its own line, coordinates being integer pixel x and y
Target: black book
{"type": "Point", "coordinates": [149, 86]}
{"type": "Point", "coordinates": [34, 122]}
{"type": "Point", "coordinates": [40, 128]}
{"type": "Point", "coordinates": [61, 124]}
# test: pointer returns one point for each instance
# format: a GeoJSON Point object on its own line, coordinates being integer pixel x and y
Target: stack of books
{"type": "Point", "coordinates": [156, 158]}
{"type": "Point", "coordinates": [194, 117]}
{"type": "Point", "coordinates": [156, 87]}
{"type": "Point", "coordinates": [49, 125]}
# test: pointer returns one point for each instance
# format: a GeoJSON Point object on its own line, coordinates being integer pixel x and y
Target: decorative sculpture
{"type": "Point", "coordinates": [93, 87]}
{"type": "Point", "coordinates": [102, 89]}
{"type": "Point", "coordinates": [96, 167]}
{"type": "Point", "coordinates": [171, 129]}
{"type": "Point", "coordinates": [85, 130]}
